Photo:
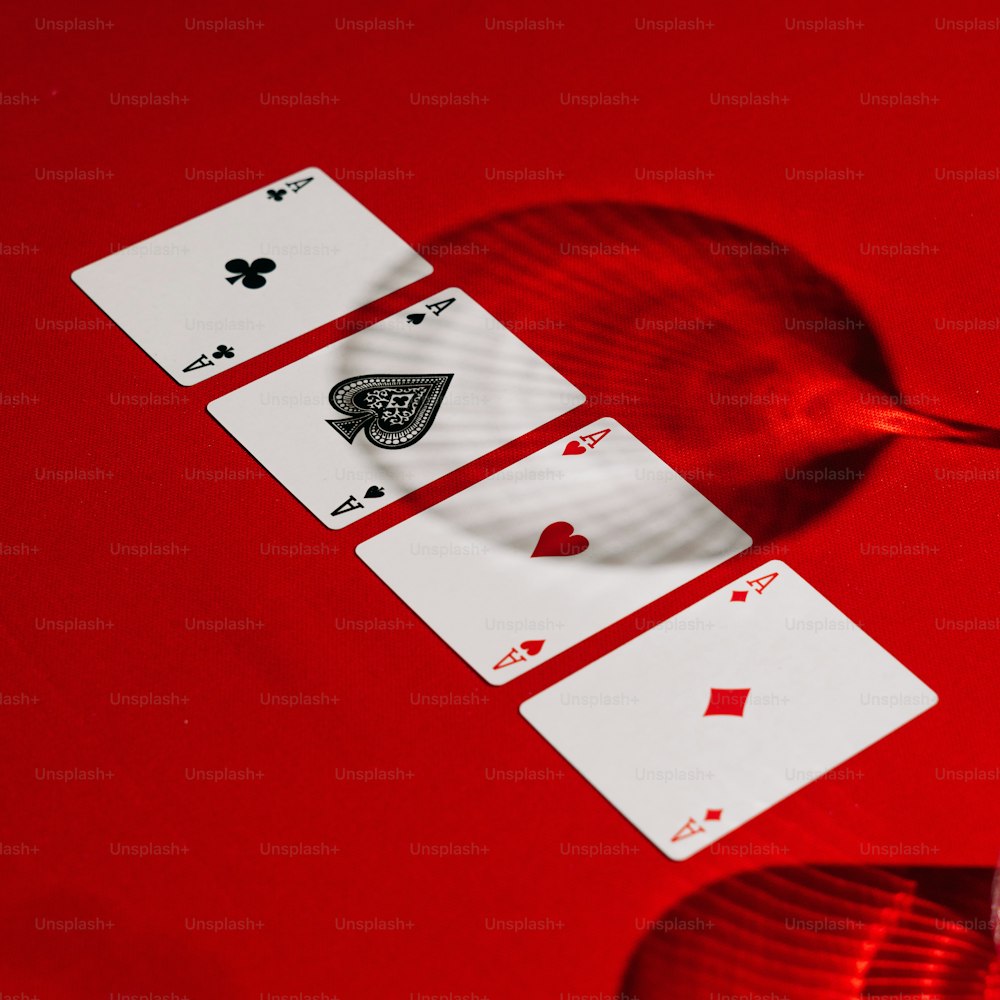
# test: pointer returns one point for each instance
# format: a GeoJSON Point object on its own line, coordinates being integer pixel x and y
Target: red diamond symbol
{"type": "Point", "coordinates": [711, 814]}
{"type": "Point", "coordinates": [739, 595]}
{"type": "Point", "coordinates": [727, 701]}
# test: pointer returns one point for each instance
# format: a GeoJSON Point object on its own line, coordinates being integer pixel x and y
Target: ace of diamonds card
{"type": "Point", "coordinates": [704, 722]}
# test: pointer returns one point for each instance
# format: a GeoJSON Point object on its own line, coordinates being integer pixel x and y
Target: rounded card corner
{"type": "Point", "coordinates": [499, 682]}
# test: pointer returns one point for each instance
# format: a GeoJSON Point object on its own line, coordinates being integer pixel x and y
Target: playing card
{"type": "Point", "coordinates": [249, 275]}
{"type": "Point", "coordinates": [541, 555]}
{"type": "Point", "coordinates": [707, 720]}
{"type": "Point", "coordinates": [366, 420]}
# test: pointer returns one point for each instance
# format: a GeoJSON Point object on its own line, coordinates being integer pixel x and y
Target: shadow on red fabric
{"type": "Point", "coordinates": [735, 358]}
{"type": "Point", "coordinates": [825, 933]}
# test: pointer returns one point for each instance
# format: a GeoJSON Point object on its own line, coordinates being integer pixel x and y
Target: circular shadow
{"type": "Point", "coordinates": [748, 370]}
{"type": "Point", "coordinates": [727, 353]}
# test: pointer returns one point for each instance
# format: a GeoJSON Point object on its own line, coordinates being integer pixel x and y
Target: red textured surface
{"type": "Point", "coordinates": [90, 467]}
{"type": "Point", "coordinates": [825, 933]}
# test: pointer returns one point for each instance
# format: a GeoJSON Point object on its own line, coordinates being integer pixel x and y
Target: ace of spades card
{"type": "Point", "coordinates": [249, 275]}
{"type": "Point", "coordinates": [367, 420]}
{"type": "Point", "coordinates": [702, 723]}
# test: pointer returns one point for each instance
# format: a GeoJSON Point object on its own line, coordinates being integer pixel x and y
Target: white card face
{"type": "Point", "coordinates": [365, 421]}
{"type": "Point", "coordinates": [235, 282]}
{"type": "Point", "coordinates": [702, 723]}
{"type": "Point", "coordinates": [542, 555]}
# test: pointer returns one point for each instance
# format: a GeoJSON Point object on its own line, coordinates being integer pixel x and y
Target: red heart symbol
{"type": "Point", "coordinates": [558, 540]}
{"type": "Point", "coordinates": [532, 646]}
{"type": "Point", "coordinates": [574, 448]}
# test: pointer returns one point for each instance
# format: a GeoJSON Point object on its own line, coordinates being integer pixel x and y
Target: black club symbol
{"type": "Point", "coordinates": [223, 352]}
{"type": "Point", "coordinates": [276, 195]}
{"type": "Point", "coordinates": [250, 273]}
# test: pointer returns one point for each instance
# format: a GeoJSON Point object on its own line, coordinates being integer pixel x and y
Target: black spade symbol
{"type": "Point", "coordinates": [394, 410]}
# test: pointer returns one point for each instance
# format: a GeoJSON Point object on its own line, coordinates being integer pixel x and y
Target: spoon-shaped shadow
{"type": "Point", "coordinates": [733, 357]}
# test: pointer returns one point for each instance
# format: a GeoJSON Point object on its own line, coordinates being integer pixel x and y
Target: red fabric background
{"type": "Point", "coordinates": [166, 474]}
